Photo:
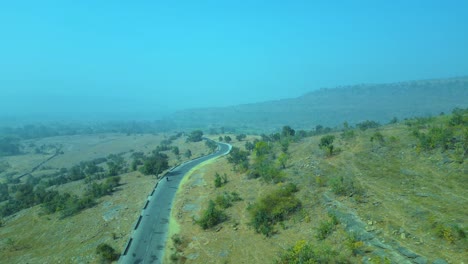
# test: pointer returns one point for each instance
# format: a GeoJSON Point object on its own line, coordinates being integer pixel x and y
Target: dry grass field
{"type": "Point", "coordinates": [404, 205]}
{"type": "Point", "coordinates": [380, 198]}
{"type": "Point", "coordinates": [31, 236]}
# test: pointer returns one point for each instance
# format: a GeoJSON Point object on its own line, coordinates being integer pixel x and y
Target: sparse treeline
{"type": "Point", "coordinates": [450, 135]}
{"type": "Point", "coordinates": [263, 159]}
{"type": "Point", "coordinates": [32, 131]}
{"type": "Point", "coordinates": [267, 159]}
{"type": "Point", "coordinates": [101, 177]}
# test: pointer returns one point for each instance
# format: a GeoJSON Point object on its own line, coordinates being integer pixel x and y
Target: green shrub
{"type": "Point", "coordinates": [326, 142]}
{"type": "Point", "coordinates": [344, 186]}
{"type": "Point", "coordinates": [367, 125]}
{"type": "Point", "coordinates": [326, 228]}
{"type": "Point", "coordinates": [195, 136]}
{"type": "Point", "coordinates": [223, 200]}
{"type": "Point", "coordinates": [107, 253]}
{"type": "Point", "coordinates": [348, 134]}
{"type": "Point", "coordinates": [211, 216]}
{"type": "Point", "coordinates": [449, 232]}
{"type": "Point", "coordinates": [220, 181]}
{"type": "Point", "coordinates": [226, 199]}
{"type": "Point", "coordinates": [272, 208]}
{"type": "Point", "coordinates": [304, 253]}
{"type": "Point", "coordinates": [263, 167]}
{"type": "Point", "coordinates": [239, 158]}
{"type": "Point", "coordinates": [377, 137]}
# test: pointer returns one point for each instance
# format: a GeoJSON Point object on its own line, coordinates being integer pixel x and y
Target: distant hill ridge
{"type": "Point", "coordinates": [332, 107]}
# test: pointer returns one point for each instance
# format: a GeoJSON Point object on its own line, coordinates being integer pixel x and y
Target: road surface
{"type": "Point", "coordinates": [148, 240]}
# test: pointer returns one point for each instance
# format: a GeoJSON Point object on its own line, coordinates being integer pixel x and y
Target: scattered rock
{"type": "Point", "coordinates": [407, 253]}
{"type": "Point", "coordinates": [439, 261]}
{"type": "Point", "coordinates": [420, 260]}
{"type": "Point", "coordinates": [224, 253]}
{"type": "Point", "coordinates": [193, 256]}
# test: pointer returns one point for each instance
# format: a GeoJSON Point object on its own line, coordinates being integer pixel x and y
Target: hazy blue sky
{"type": "Point", "coordinates": [92, 56]}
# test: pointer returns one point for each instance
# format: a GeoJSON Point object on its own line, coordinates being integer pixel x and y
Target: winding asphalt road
{"type": "Point", "coordinates": [150, 233]}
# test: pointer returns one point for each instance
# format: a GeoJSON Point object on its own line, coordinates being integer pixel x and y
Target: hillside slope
{"type": "Point", "coordinates": [332, 107]}
{"type": "Point", "coordinates": [392, 194]}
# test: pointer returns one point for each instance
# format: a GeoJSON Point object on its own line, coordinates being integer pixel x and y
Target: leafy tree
{"type": "Point", "coordinates": [318, 129]}
{"type": "Point", "coordinates": [195, 136]}
{"type": "Point", "coordinates": [220, 139]}
{"type": "Point", "coordinates": [284, 145]}
{"type": "Point", "coordinates": [10, 146]}
{"type": "Point", "coordinates": [135, 164]}
{"type": "Point", "coordinates": [155, 164]}
{"type": "Point", "coordinates": [116, 165]}
{"type": "Point", "coordinates": [327, 143]}
{"type": "Point", "coordinates": [346, 126]}
{"type": "Point", "coordinates": [211, 145]}
{"type": "Point", "coordinates": [262, 148]}
{"type": "Point", "coordinates": [188, 153]}
{"type": "Point", "coordinates": [227, 139]}
{"type": "Point", "coordinates": [378, 137]}
{"type": "Point", "coordinates": [238, 157]}
{"type": "Point", "coordinates": [263, 167]}
{"type": "Point", "coordinates": [367, 125]}
{"type": "Point", "coordinates": [176, 151]}
{"type": "Point", "coordinates": [348, 134]}
{"type": "Point", "coordinates": [76, 173]}
{"type": "Point", "coordinates": [275, 137]}
{"type": "Point", "coordinates": [241, 137]}
{"type": "Point", "coordinates": [249, 146]}
{"type": "Point", "coordinates": [4, 194]}
{"type": "Point", "coordinates": [283, 159]}
{"type": "Point", "coordinates": [220, 181]}
{"type": "Point", "coordinates": [4, 165]}
{"type": "Point", "coordinates": [394, 120]}
{"type": "Point", "coordinates": [287, 132]}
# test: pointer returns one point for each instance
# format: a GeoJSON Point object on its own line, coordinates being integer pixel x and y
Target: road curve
{"type": "Point", "coordinates": [148, 240]}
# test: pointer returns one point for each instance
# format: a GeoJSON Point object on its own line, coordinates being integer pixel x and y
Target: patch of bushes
{"type": "Point", "coordinates": [326, 142]}
{"type": "Point", "coordinates": [344, 186]}
{"type": "Point", "coordinates": [4, 165]}
{"type": "Point", "coordinates": [449, 232]}
{"type": "Point", "coordinates": [348, 134]}
{"type": "Point", "coordinates": [195, 136]}
{"type": "Point", "coordinates": [155, 164]}
{"type": "Point", "coordinates": [211, 145]}
{"type": "Point", "coordinates": [107, 253]}
{"type": "Point", "coordinates": [367, 125]}
{"type": "Point", "coordinates": [272, 208]}
{"type": "Point", "coordinates": [377, 137]}
{"type": "Point", "coordinates": [220, 180]}
{"type": "Point", "coordinates": [212, 216]}
{"type": "Point", "coordinates": [239, 159]}
{"type": "Point", "coordinates": [226, 199]}
{"type": "Point", "coordinates": [263, 167]}
{"type": "Point", "coordinates": [305, 252]}
{"type": "Point", "coordinates": [326, 228]}
{"type": "Point", "coordinates": [10, 146]}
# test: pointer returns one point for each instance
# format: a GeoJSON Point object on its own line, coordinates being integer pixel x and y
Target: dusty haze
{"type": "Point", "coordinates": [95, 59]}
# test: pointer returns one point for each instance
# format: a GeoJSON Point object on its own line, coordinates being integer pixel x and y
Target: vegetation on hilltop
{"type": "Point", "coordinates": [332, 107]}
{"type": "Point", "coordinates": [100, 176]}
{"type": "Point", "coordinates": [342, 196]}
